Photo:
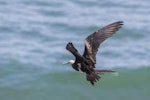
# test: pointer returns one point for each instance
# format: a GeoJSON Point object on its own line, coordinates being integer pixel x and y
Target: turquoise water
{"type": "Point", "coordinates": [33, 36]}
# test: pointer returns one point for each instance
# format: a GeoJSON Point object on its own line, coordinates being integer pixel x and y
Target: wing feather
{"type": "Point", "coordinates": [93, 41]}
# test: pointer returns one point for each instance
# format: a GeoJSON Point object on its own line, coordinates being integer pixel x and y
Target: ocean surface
{"type": "Point", "coordinates": [33, 36]}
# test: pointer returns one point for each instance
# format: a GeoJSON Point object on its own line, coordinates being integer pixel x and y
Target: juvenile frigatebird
{"type": "Point", "coordinates": [86, 62]}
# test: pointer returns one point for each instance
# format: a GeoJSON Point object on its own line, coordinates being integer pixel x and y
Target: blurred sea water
{"type": "Point", "coordinates": [33, 36]}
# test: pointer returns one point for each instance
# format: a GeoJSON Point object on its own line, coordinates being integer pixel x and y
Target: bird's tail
{"type": "Point", "coordinates": [103, 71]}
{"type": "Point", "coordinates": [95, 76]}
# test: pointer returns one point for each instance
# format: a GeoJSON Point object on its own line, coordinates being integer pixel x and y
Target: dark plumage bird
{"type": "Point", "coordinates": [86, 62]}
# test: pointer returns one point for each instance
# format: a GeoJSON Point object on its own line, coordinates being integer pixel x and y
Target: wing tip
{"type": "Point", "coordinates": [120, 23]}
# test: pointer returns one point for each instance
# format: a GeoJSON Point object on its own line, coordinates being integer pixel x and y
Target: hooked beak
{"type": "Point", "coordinates": [65, 63]}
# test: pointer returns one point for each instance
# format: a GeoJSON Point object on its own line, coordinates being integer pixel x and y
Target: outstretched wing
{"type": "Point", "coordinates": [93, 41]}
{"type": "Point", "coordinates": [70, 47]}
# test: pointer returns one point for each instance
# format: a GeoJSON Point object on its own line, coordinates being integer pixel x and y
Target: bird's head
{"type": "Point", "coordinates": [71, 62]}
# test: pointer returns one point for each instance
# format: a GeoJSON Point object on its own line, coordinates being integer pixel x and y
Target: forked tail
{"type": "Point", "coordinates": [95, 76]}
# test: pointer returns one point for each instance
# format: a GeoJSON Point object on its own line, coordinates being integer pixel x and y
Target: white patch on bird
{"type": "Point", "coordinates": [71, 62]}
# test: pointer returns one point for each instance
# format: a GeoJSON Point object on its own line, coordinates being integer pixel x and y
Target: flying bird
{"type": "Point", "coordinates": [86, 62]}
